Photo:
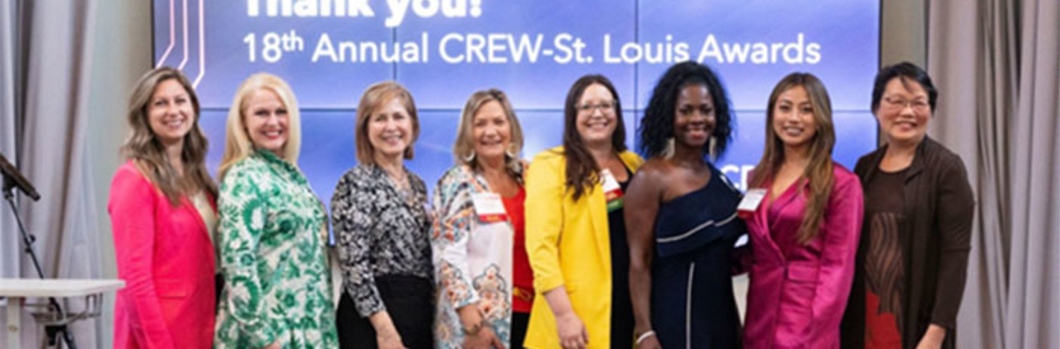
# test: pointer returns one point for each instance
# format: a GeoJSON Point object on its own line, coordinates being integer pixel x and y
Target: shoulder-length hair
{"type": "Point", "coordinates": [373, 97]}
{"type": "Point", "coordinates": [657, 126]}
{"type": "Point", "coordinates": [464, 146]}
{"type": "Point", "coordinates": [582, 169]}
{"type": "Point", "coordinates": [147, 150]}
{"type": "Point", "coordinates": [238, 145]}
{"type": "Point", "coordinates": [819, 170]}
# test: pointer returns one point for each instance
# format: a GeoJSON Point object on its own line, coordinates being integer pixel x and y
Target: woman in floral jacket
{"type": "Point", "coordinates": [273, 229]}
{"type": "Point", "coordinates": [479, 255]}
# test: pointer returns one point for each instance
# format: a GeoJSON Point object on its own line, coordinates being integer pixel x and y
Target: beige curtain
{"type": "Point", "coordinates": [996, 65]}
{"type": "Point", "coordinates": [56, 37]}
{"type": "Point", "coordinates": [1033, 312]}
{"type": "Point", "coordinates": [971, 59]}
{"type": "Point", "coordinates": [10, 253]}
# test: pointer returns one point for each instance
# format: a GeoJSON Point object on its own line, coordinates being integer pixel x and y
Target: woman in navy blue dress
{"type": "Point", "coordinates": [681, 217]}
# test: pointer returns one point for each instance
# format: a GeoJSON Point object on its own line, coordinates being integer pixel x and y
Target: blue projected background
{"type": "Point", "coordinates": [444, 50]}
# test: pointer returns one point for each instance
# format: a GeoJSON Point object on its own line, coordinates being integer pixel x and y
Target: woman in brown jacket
{"type": "Point", "coordinates": [913, 257]}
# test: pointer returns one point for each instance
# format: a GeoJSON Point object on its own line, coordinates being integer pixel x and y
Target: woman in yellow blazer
{"type": "Point", "coordinates": [575, 234]}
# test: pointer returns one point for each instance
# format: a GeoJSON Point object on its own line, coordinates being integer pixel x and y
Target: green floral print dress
{"type": "Point", "coordinates": [273, 258]}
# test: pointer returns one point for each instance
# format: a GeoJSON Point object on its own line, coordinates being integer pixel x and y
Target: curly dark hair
{"type": "Point", "coordinates": [657, 125]}
{"type": "Point", "coordinates": [582, 169]}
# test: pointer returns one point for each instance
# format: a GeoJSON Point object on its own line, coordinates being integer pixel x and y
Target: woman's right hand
{"type": "Point", "coordinates": [274, 345]}
{"type": "Point", "coordinates": [572, 332]}
{"type": "Point", "coordinates": [484, 339]}
{"type": "Point", "coordinates": [389, 340]}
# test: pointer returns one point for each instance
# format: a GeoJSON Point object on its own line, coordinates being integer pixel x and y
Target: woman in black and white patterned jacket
{"type": "Point", "coordinates": [382, 224]}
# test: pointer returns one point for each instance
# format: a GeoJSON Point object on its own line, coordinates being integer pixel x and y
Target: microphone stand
{"type": "Point", "coordinates": [51, 330]}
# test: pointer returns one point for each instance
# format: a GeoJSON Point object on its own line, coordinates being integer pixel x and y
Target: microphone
{"type": "Point", "coordinates": [13, 178]}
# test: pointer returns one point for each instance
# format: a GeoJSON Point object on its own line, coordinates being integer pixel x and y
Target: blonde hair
{"type": "Point", "coordinates": [464, 146]}
{"type": "Point", "coordinates": [819, 170]}
{"type": "Point", "coordinates": [149, 154]}
{"type": "Point", "coordinates": [238, 145]}
{"type": "Point", "coordinates": [373, 97]}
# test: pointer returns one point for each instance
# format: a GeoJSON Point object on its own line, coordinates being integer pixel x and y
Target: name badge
{"type": "Point", "coordinates": [750, 202]}
{"type": "Point", "coordinates": [489, 207]}
{"type": "Point", "coordinates": [612, 191]}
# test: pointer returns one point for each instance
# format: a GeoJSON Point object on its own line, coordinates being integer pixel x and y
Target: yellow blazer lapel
{"type": "Point", "coordinates": [598, 210]}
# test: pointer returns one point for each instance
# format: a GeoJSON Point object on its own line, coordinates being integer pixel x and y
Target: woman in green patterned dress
{"type": "Point", "coordinates": [273, 230]}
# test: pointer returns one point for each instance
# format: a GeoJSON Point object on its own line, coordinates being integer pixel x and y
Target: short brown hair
{"type": "Point", "coordinates": [375, 96]}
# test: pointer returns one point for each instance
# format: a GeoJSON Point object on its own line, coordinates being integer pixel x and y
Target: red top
{"type": "Point", "coordinates": [881, 328]}
{"type": "Point", "coordinates": [523, 293]}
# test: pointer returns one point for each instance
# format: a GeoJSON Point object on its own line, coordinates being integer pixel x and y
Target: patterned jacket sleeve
{"type": "Point", "coordinates": [243, 211]}
{"type": "Point", "coordinates": [450, 234]}
{"type": "Point", "coordinates": [352, 221]}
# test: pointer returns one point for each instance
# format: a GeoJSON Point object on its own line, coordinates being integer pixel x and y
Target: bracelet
{"type": "Point", "coordinates": [644, 336]}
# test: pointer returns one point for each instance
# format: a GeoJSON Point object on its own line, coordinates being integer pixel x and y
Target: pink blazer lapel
{"type": "Point", "coordinates": [761, 221]}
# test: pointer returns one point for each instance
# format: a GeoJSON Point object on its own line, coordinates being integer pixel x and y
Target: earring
{"type": "Point", "coordinates": [711, 148]}
{"type": "Point", "coordinates": [512, 151]}
{"type": "Point", "coordinates": [668, 152]}
{"type": "Point", "coordinates": [470, 157]}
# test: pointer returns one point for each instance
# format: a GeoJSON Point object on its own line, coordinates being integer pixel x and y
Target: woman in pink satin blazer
{"type": "Point", "coordinates": [804, 234]}
{"type": "Point", "coordinates": [162, 214]}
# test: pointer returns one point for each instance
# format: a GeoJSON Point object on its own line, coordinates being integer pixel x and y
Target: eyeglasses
{"type": "Point", "coordinates": [605, 108]}
{"type": "Point", "coordinates": [919, 105]}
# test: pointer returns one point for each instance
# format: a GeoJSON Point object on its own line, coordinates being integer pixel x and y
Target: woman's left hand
{"type": "Point", "coordinates": [484, 339]}
{"type": "Point", "coordinates": [933, 338]}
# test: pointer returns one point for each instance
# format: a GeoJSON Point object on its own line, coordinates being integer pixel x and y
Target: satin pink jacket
{"type": "Point", "coordinates": [167, 261]}
{"type": "Point", "coordinates": [798, 292]}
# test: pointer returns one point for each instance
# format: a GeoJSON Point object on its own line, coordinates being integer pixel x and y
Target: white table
{"type": "Point", "coordinates": [17, 290]}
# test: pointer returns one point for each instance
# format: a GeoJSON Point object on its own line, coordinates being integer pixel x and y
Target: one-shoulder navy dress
{"type": "Point", "coordinates": [692, 301]}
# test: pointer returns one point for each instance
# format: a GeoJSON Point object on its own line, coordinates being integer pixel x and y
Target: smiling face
{"type": "Point", "coordinates": [694, 117]}
{"type": "Point", "coordinates": [266, 119]}
{"type": "Point", "coordinates": [170, 112]}
{"type": "Point", "coordinates": [491, 131]}
{"type": "Point", "coordinates": [793, 119]}
{"type": "Point", "coordinates": [596, 120]}
{"type": "Point", "coordinates": [904, 111]}
{"type": "Point", "coordinates": [390, 129]}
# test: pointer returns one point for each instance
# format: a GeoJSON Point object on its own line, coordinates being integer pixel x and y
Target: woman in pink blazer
{"type": "Point", "coordinates": [804, 233]}
{"type": "Point", "coordinates": [163, 216]}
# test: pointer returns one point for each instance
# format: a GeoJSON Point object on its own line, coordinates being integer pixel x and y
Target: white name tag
{"type": "Point", "coordinates": [612, 190]}
{"type": "Point", "coordinates": [750, 202]}
{"type": "Point", "coordinates": [489, 207]}
{"type": "Point", "coordinates": [610, 183]}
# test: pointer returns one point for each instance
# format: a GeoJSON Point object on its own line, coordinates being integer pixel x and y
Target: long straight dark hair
{"type": "Point", "coordinates": [582, 169]}
{"type": "Point", "coordinates": [819, 171]}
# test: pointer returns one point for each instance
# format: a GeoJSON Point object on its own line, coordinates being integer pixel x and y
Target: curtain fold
{"type": "Point", "coordinates": [971, 57]}
{"type": "Point", "coordinates": [1034, 287]}
{"type": "Point", "coordinates": [997, 65]}
{"type": "Point", "coordinates": [10, 251]}
{"type": "Point", "coordinates": [56, 42]}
